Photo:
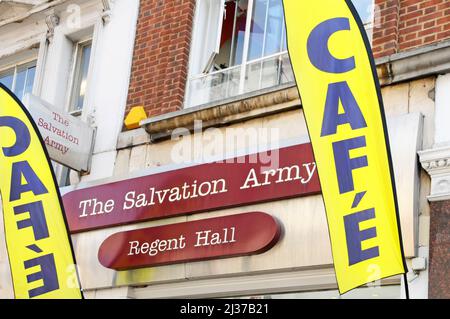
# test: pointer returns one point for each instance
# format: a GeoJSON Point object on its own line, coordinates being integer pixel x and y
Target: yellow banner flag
{"type": "Point", "coordinates": [40, 254]}
{"type": "Point", "coordinates": [341, 97]}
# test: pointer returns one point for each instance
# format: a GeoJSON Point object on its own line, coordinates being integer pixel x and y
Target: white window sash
{"type": "Point", "coordinates": [24, 65]}
{"type": "Point", "coordinates": [220, 24]}
{"type": "Point", "coordinates": [248, 26]}
{"type": "Point", "coordinates": [76, 73]}
{"type": "Point", "coordinates": [214, 26]}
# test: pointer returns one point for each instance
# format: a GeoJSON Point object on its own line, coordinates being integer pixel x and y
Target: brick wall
{"type": "Point", "coordinates": [385, 32]}
{"type": "Point", "coordinates": [161, 55]}
{"type": "Point", "coordinates": [439, 279]}
{"type": "Point", "coordinates": [408, 24]}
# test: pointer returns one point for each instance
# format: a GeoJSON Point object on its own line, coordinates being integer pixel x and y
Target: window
{"type": "Point", "coordinates": [19, 79]}
{"type": "Point", "coordinates": [239, 46]}
{"type": "Point", "coordinates": [366, 9]}
{"type": "Point", "coordinates": [243, 49]}
{"type": "Point", "coordinates": [80, 76]}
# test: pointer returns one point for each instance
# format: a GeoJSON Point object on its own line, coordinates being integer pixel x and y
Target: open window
{"type": "Point", "coordinates": [209, 18]}
{"type": "Point", "coordinates": [240, 46]}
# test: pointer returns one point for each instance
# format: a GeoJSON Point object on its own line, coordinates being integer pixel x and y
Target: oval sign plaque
{"type": "Point", "coordinates": [221, 237]}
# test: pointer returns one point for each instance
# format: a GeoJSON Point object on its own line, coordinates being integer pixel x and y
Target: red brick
{"type": "Point", "coordinates": [386, 43]}
{"type": "Point", "coordinates": [161, 54]}
{"type": "Point", "coordinates": [419, 23]}
{"type": "Point", "coordinates": [430, 31]}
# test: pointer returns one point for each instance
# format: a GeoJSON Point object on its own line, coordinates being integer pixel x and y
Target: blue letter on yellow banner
{"type": "Point", "coordinates": [342, 103]}
{"type": "Point", "coordinates": [40, 254]}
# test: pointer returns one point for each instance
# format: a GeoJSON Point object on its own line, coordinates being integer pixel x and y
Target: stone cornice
{"type": "Point", "coordinates": [416, 63]}
{"type": "Point", "coordinates": [33, 8]}
{"type": "Point", "coordinates": [241, 108]}
{"type": "Point", "coordinates": [436, 162]}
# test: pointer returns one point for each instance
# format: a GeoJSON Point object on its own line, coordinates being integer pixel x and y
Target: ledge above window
{"type": "Point", "coordinates": [236, 109]}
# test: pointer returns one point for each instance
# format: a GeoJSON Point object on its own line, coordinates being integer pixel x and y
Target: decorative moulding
{"type": "Point", "coordinates": [437, 164]}
{"type": "Point", "coordinates": [106, 14]}
{"type": "Point", "coordinates": [52, 22]}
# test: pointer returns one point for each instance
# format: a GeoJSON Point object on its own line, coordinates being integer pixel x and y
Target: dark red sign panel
{"type": "Point", "coordinates": [284, 173]}
{"type": "Point", "coordinates": [221, 237]}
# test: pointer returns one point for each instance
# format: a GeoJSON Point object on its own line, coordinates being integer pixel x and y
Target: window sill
{"type": "Point", "coordinates": [75, 113]}
{"type": "Point", "coordinates": [237, 109]}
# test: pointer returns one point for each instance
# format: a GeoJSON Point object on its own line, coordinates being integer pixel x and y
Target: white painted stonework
{"type": "Point", "coordinates": [436, 161]}
{"type": "Point", "coordinates": [442, 131]}
{"type": "Point", "coordinates": [49, 36]}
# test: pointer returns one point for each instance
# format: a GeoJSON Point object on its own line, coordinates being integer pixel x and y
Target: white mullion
{"type": "Point", "coordinates": [265, 29]}
{"type": "Point", "coordinates": [73, 79]}
{"type": "Point", "coordinates": [25, 81]}
{"type": "Point", "coordinates": [264, 43]}
{"type": "Point", "coordinates": [13, 85]}
{"type": "Point", "coordinates": [246, 44]}
{"type": "Point", "coordinates": [280, 58]}
{"type": "Point", "coordinates": [283, 32]}
{"type": "Point", "coordinates": [233, 37]}
{"type": "Point", "coordinates": [220, 26]}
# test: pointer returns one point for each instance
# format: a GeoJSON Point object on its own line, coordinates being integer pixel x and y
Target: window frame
{"type": "Point", "coordinates": [207, 69]}
{"type": "Point", "coordinates": [76, 72]}
{"type": "Point", "coordinates": [20, 65]}
{"type": "Point", "coordinates": [369, 26]}
{"type": "Point", "coordinates": [247, 36]}
{"type": "Point", "coordinates": [246, 46]}
{"type": "Point", "coordinates": [61, 171]}
{"type": "Point", "coordinates": [245, 63]}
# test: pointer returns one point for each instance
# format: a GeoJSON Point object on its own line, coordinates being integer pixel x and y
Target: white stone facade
{"type": "Point", "coordinates": [420, 104]}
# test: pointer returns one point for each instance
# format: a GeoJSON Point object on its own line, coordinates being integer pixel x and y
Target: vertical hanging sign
{"type": "Point", "coordinates": [40, 254]}
{"type": "Point", "coordinates": [341, 98]}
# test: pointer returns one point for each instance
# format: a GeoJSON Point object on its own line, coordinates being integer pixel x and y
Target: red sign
{"type": "Point", "coordinates": [222, 237]}
{"type": "Point", "coordinates": [240, 181]}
